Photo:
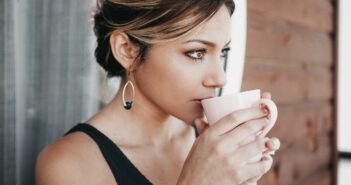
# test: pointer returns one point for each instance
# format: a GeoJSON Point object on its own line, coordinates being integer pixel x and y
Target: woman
{"type": "Point", "coordinates": [169, 55]}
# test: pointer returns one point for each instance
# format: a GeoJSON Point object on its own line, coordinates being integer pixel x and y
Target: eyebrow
{"type": "Point", "coordinates": [205, 42]}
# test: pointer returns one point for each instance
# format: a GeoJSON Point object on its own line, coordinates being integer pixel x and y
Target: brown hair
{"type": "Point", "coordinates": [147, 22]}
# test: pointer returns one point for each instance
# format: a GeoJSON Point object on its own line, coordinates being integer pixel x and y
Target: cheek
{"type": "Point", "coordinates": [171, 78]}
{"type": "Point", "coordinates": [170, 82]}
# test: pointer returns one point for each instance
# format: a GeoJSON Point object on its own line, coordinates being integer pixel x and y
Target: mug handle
{"type": "Point", "coordinates": [272, 116]}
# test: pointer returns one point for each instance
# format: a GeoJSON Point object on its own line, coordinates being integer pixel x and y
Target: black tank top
{"type": "Point", "coordinates": [122, 168]}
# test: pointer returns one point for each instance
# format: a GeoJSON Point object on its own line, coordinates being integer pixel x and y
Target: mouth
{"type": "Point", "coordinates": [199, 100]}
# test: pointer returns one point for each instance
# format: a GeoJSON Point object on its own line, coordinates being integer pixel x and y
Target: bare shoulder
{"type": "Point", "coordinates": [70, 160]}
{"type": "Point", "coordinates": [58, 162]}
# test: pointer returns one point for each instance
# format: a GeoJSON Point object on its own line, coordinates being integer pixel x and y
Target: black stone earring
{"type": "Point", "coordinates": [128, 104]}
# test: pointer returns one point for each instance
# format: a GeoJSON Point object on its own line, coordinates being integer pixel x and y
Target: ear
{"type": "Point", "coordinates": [124, 51]}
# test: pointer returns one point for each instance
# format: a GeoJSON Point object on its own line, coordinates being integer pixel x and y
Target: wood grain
{"type": "Point", "coordinates": [290, 53]}
{"type": "Point", "coordinates": [312, 14]}
{"type": "Point", "coordinates": [298, 164]}
{"type": "Point", "coordinates": [289, 84]}
{"type": "Point", "coordinates": [280, 40]}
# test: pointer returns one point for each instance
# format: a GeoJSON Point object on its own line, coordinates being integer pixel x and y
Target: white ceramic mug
{"type": "Point", "coordinates": [217, 107]}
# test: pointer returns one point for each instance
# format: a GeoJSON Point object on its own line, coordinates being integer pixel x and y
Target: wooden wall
{"type": "Point", "coordinates": [290, 53]}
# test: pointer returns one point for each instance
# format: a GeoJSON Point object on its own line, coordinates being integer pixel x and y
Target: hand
{"type": "Point", "coordinates": [217, 156]}
{"type": "Point", "coordinates": [272, 145]}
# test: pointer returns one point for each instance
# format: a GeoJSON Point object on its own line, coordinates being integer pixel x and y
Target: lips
{"type": "Point", "coordinates": [203, 98]}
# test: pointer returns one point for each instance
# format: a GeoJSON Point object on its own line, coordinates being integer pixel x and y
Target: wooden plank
{"type": "Point", "coordinates": [289, 63]}
{"type": "Point", "coordinates": [307, 121]}
{"type": "Point", "coordinates": [298, 163]}
{"type": "Point", "coordinates": [291, 84]}
{"type": "Point", "coordinates": [315, 14]}
{"type": "Point", "coordinates": [320, 178]}
{"type": "Point", "coordinates": [290, 54]}
{"type": "Point", "coordinates": [304, 130]}
{"type": "Point", "coordinates": [280, 40]}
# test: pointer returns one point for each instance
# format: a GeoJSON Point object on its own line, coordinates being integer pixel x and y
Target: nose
{"type": "Point", "coordinates": [216, 76]}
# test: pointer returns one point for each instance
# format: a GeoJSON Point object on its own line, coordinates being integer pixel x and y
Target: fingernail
{"type": "Point", "coordinates": [264, 109]}
{"type": "Point", "coordinates": [261, 106]}
{"type": "Point", "coordinates": [270, 145]}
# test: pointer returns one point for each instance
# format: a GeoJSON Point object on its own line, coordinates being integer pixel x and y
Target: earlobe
{"type": "Point", "coordinates": [122, 49]}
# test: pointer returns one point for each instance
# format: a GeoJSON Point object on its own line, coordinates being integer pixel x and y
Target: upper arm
{"type": "Point", "coordinates": [56, 166]}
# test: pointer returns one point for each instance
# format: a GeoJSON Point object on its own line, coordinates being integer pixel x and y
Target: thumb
{"type": "Point", "coordinates": [267, 95]}
{"type": "Point", "coordinates": [201, 125]}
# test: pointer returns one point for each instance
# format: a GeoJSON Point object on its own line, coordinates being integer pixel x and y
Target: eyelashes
{"type": "Point", "coordinates": [199, 54]}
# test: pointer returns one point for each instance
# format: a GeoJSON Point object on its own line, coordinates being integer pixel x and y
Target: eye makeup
{"type": "Point", "coordinates": [197, 54]}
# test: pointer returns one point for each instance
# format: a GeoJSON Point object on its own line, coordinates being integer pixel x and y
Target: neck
{"type": "Point", "coordinates": [148, 123]}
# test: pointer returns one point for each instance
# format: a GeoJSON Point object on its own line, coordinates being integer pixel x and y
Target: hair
{"type": "Point", "coordinates": [148, 22]}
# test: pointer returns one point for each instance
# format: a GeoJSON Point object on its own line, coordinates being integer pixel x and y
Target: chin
{"type": "Point", "coordinates": [189, 114]}
{"type": "Point", "coordinates": [189, 119]}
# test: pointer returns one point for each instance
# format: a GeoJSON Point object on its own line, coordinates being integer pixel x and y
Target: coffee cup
{"type": "Point", "coordinates": [218, 107]}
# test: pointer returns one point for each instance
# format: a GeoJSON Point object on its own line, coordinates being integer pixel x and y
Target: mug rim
{"type": "Point", "coordinates": [231, 94]}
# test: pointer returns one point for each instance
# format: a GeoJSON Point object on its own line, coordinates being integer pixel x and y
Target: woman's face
{"type": "Point", "coordinates": [177, 74]}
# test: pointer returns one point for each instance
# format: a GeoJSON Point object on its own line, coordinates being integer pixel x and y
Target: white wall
{"type": "Point", "coordinates": [344, 77]}
{"type": "Point", "coordinates": [235, 66]}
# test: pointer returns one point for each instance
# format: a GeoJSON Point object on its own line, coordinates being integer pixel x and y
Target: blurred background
{"type": "Point", "coordinates": [298, 50]}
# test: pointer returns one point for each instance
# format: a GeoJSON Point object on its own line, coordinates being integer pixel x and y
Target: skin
{"type": "Point", "coordinates": [156, 134]}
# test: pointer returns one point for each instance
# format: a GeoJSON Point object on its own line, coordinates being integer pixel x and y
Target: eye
{"type": "Point", "coordinates": [196, 54]}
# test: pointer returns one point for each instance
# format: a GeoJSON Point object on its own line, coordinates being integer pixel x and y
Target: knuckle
{"type": "Point", "coordinates": [208, 136]}
{"type": "Point", "coordinates": [232, 116]}
{"type": "Point", "coordinates": [251, 128]}
{"type": "Point", "coordinates": [218, 148]}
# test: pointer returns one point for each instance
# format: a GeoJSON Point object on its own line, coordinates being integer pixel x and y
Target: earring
{"type": "Point", "coordinates": [128, 104]}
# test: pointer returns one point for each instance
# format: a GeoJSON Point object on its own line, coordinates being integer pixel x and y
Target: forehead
{"type": "Point", "coordinates": [217, 29]}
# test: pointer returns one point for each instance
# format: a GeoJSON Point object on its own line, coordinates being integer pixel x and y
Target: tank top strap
{"type": "Point", "coordinates": [122, 168]}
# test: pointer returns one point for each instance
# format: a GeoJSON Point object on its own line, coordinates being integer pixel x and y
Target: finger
{"type": "Point", "coordinates": [266, 95]}
{"type": "Point", "coordinates": [201, 125]}
{"type": "Point", "coordinates": [253, 180]}
{"type": "Point", "coordinates": [249, 183]}
{"type": "Point", "coordinates": [245, 133]}
{"type": "Point", "coordinates": [257, 169]}
{"type": "Point", "coordinates": [273, 144]}
{"type": "Point", "coordinates": [249, 151]}
{"type": "Point", "coordinates": [234, 119]}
